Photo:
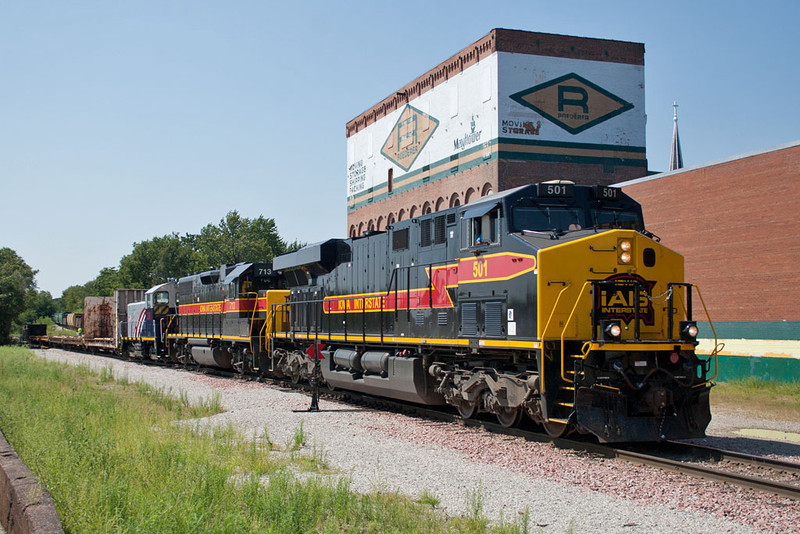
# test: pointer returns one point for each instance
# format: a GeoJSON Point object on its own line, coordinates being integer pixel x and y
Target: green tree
{"type": "Point", "coordinates": [106, 282]}
{"type": "Point", "coordinates": [239, 239]}
{"type": "Point", "coordinates": [72, 298]}
{"type": "Point", "coordinates": [154, 261]}
{"type": "Point", "coordinates": [16, 280]}
{"type": "Point", "coordinates": [38, 304]}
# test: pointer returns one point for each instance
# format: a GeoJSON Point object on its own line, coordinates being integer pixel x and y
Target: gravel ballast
{"type": "Point", "coordinates": [561, 489]}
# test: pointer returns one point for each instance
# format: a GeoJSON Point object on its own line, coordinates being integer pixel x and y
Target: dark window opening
{"type": "Point", "coordinates": [400, 239]}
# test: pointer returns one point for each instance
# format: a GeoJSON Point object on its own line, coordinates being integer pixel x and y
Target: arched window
{"type": "Point", "coordinates": [379, 225]}
{"type": "Point", "coordinates": [487, 190]}
{"type": "Point", "coordinates": [439, 204]}
{"type": "Point", "coordinates": [426, 208]}
{"type": "Point", "coordinates": [352, 230]}
{"type": "Point", "coordinates": [401, 215]}
{"type": "Point", "coordinates": [413, 212]}
{"type": "Point", "coordinates": [360, 228]}
{"type": "Point", "coordinates": [454, 201]}
{"type": "Point", "coordinates": [390, 219]}
{"type": "Point", "coordinates": [469, 196]}
{"type": "Point", "coordinates": [371, 226]}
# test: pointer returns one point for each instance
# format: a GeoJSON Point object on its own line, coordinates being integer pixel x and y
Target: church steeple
{"type": "Point", "coordinates": [675, 156]}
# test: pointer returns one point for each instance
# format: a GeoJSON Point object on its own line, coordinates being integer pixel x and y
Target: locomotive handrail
{"type": "Point", "coordinates": [393, 280]}
{"type": "Point", "coordinates": [252, 317]}
{"type": "Point", "coordinates": [544, 332]}
{"type": "Point", "coordinates": [566, 324]}
{"type": "Point", "coordinates": [688, 313]}
{"type": "Point", "coordinates": [714, 352]}
{"type": "Point", "coordinates": [553, 311]}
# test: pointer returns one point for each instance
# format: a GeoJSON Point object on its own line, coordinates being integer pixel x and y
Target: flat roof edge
{"type": "Point", "coordinates": [745, 155]}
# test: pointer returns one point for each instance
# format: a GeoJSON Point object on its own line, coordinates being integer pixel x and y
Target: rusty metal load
{"type": "Point", "coordinates": [104, 318]}
{"type": "Point", "coordinates": [98, 318]}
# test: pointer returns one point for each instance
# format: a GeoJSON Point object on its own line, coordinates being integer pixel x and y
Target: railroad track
{"type": "Point", "coordinates": [758, 473]}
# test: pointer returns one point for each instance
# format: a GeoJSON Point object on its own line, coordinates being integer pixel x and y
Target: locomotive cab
{"type": "Point", "coordinates": [148, 322]}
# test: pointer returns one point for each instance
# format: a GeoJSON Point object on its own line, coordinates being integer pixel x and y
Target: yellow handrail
{"type": "Point", "coordinates": [566, 324]}
{"type": "Point", "coordinates": [544, 335]}
{"type": "Point", "coordinates": [269, 320]}
{"type": "Point", "coordinates": [555, 306]}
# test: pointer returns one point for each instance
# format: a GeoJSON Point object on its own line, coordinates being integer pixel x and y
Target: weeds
{"type": "Point", "coordinates": [428, 499]}
{"type": "Point", "coordinates": [115, 461]}
{"type": "Point", "coordinates": [299, 438]}
{"type": "Point", "coordinates": [762, 398]}
{"type": "Point", "coordinates": [266, 440]}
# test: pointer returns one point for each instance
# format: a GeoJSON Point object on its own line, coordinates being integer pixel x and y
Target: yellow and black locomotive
{"type": "Point", "coordinates": [549, 300]}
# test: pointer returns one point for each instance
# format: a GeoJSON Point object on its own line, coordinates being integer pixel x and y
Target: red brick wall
{"type": "Point", "coordinates": [499, 175]}
{"type": "Point", "coordinates": [473, 181]}
{"type": "Point", "coordinates": [736, 223]}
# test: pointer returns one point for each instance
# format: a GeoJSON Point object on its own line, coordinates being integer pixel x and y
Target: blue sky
{"type": "Point", "coordinates": [121, 121]}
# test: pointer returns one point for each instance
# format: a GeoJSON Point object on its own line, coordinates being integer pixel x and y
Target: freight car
{"type": "Point", "coordinates": [102, 323]}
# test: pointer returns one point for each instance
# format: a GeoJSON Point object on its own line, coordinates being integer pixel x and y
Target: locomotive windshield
{"type": "Point", "coordinates": [605, 218]}
{"type": "Point", "coordinates": [548, 218]}
{"type": "Point", "coordinates": [561, 219]}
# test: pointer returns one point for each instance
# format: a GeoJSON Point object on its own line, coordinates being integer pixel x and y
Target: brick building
{"type": "Point", "coordinates": [736, 224]}
{"type": "Point", "coordinates": [513, 108]}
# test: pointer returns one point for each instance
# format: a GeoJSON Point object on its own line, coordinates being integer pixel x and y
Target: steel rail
{"type": "Point", "coordinates": [738, 457]}
{"type": "Point", "coordinates": [709, 473]}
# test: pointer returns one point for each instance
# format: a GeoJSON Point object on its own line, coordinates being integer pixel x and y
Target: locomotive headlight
{"type": "Point", "coordinates": [626, 248]}
{"type": "Point", "coordinates": [611, 330]}
{"type": "Point", "coordinates": [689, 330]}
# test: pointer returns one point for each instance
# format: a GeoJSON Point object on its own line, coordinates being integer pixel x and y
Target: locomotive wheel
{"type": "Point", "coordinates": [508, 417]}
{"type": "Point", "coordinates": [467, 410]}
{"type": "Point", "coordinates": [555, 429]}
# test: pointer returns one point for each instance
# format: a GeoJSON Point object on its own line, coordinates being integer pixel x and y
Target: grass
{"type": "Point", "coordinates": [114, 459]}
{"type": "Point", "coordinates": [758, 398]}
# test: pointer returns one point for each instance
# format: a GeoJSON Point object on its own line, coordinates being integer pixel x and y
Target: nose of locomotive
{"type": "Point", "coordinates": [616, 257]}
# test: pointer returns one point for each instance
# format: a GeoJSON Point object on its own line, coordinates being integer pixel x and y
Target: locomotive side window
{"type": "Point", "coordinates": [247, 286]}
{"type": "Point", "coordinates": [162, 297]}
{"type": "Point", "coordinates": [481, 230]}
